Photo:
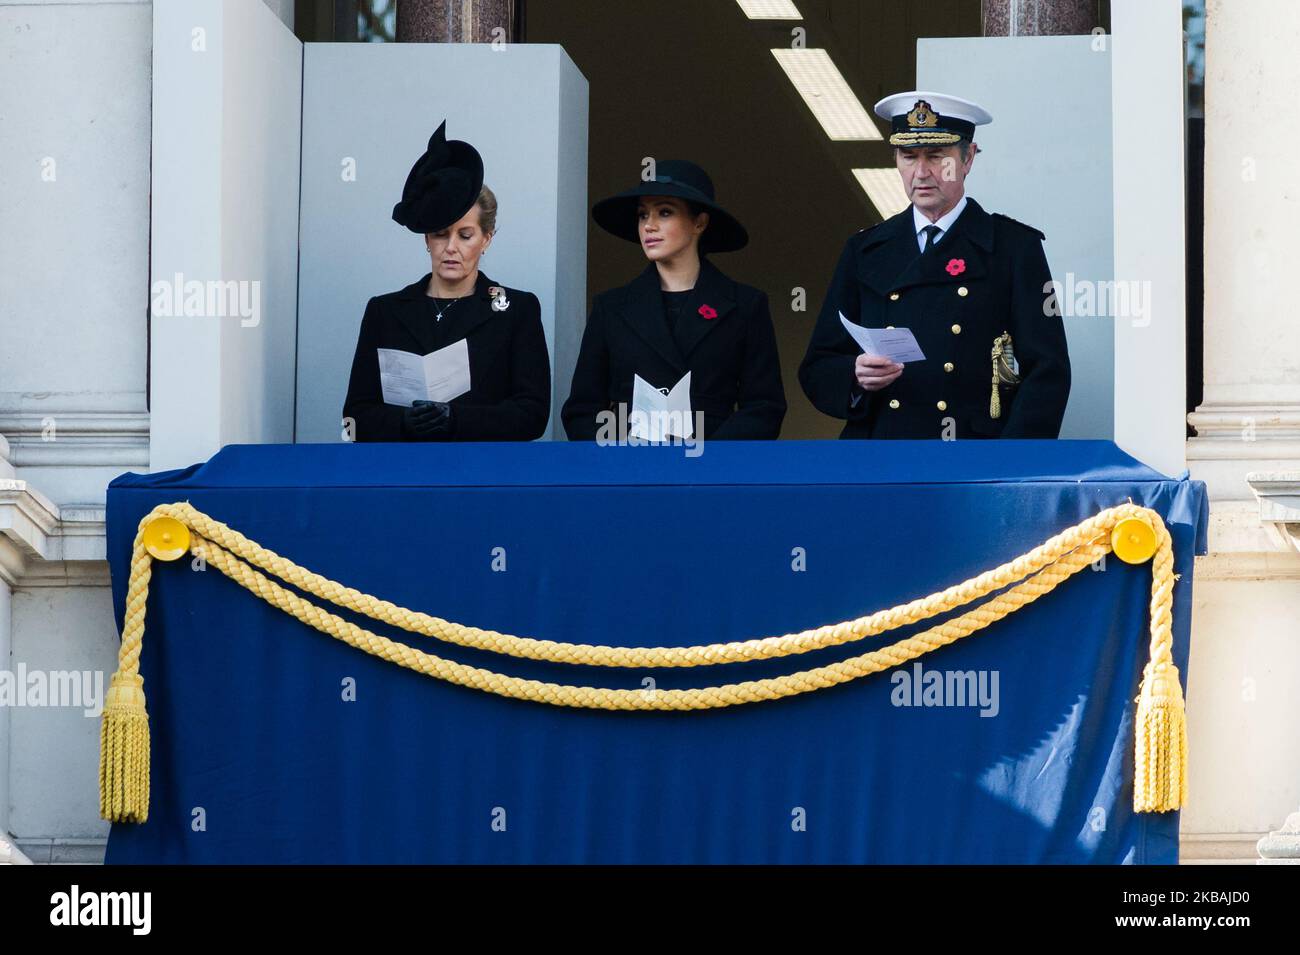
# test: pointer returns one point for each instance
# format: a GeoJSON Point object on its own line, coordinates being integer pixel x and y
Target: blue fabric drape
{"type": "Point", "coordinates": [258, 756]}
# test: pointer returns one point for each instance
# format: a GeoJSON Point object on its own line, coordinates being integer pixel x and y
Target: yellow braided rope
{"type": "Point", "coordinates": [1160, 765]}
{"type": "Point", "coordinates": [642, 657]}
{"type": "Point", "coordinates": [1160, 759]}
{"type": "Point", "coordinates": [772, 688]}
{"type": "Point", "coordinates": [124, 726]}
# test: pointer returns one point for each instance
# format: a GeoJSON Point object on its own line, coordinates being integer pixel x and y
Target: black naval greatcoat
{"type": "Point", "coordinates": [509, 367]}
{"type": "Point", "coordinates": [729, 349]}
{"type": "Point", "coordinates": [985, 276]}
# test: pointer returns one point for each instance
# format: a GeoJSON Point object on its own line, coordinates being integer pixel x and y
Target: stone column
{"type": "Point", "coordinates": [455, 21]}
{"type": "Point", "coordinates": [74, 248]}
{"type": "Point", "coordinates": [1039, 17]}
{"type": "Point", "coordinates": [1250, 417]}
{"type": "Point", "coordinates": [1247, 441]}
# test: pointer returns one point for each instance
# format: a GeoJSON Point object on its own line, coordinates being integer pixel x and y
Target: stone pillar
{"type": "Point", "coordinates": [455, 21]}
{"type": "Point", "coordinates": [1247, 435]}
{"type": "Point", "coordinates": [1250, 417]}
{"type": "Point", "coordinates": [74, 248]}
{"type": "Point", "coordinates": [1039, 17]}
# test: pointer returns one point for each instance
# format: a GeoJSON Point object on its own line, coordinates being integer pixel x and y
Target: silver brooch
{"type": "Point", "coordinates": [499, 301]}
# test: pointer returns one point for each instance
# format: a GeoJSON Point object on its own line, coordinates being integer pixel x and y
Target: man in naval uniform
{"type": "Point", "coordinates": [973, 288]}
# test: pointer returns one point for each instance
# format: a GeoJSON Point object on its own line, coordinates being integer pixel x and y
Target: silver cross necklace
{"type": "Point", "coordinates": [445, 308]}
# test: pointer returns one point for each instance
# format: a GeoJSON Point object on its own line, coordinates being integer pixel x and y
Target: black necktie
{"type": "Point", "coordinates": [931, 233]}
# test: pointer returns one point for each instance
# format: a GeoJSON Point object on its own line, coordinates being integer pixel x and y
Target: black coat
{"type": "Point", "coordinates": [883, 280]}
{"type": "Point", "coordinates": [509, 367]}
{"type": "Point", "coordinates": [732, 358]}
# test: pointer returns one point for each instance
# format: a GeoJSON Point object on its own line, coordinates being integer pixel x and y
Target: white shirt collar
{"type": "Point", "coordinates": [944, 222]}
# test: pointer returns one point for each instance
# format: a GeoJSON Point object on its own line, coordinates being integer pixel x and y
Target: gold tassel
{"type": "Point", "coordinates": [124, 751]}
{"type": "Point", "coordinates": [1003, 373]}
{"type": "Point", "coordinates": [1160, 755]}
{"type": "Point", "coordinates": [124, 728]}
{"type": "Point", "coordinates": [995, 400]}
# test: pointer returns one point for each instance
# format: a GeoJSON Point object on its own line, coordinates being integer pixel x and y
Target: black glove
{"type": "Point", "coordinates": [427, 420]}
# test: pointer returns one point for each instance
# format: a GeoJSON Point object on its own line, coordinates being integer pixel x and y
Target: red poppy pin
{"type": "Point", "coordinates": [708, 311]}
{"type": "Point", "coordinates": [956, 266]}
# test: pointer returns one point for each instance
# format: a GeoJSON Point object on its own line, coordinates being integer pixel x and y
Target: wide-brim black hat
{"type": "Point", "coordinates": [682, 180]}
{"type": "Point", "coordinates": [442, 186]}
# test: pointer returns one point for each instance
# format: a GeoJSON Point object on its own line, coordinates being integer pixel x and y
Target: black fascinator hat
{"type": "Point", "coordinates": [442, 186]}
{"type": "Point", "coordinates": [683, 180]}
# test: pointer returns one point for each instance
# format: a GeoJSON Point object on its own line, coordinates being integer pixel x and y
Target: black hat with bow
{"type": "Point", "coordinates": [442, 186]}
{"type": "Point", "coordinates": [680, 179]}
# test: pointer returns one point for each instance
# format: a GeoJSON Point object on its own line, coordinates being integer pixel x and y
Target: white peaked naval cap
{"type": "Point", "coordinates": [926, 118]}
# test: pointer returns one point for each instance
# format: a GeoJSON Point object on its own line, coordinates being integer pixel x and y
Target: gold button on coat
{"type": "Point", "coordinates": [956, 329]}
{"type": "Point", "coordinates": [893, 296]}
{"type": "Point", "coordinates": [962, 291]}
{"type": "Point", "coordinates": [893, 402]}
{"type": "Point", "coordinates": [947, 366]}
{"type": "Point", "coordinates": [942, 406]}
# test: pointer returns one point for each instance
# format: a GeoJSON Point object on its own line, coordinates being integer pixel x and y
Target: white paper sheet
{"type": "Point", "coordinates": [896, 344]}
{"type": "Point", "coordinates": [656, 415]}
{"type": "Point", "coordinates": [438, 376]}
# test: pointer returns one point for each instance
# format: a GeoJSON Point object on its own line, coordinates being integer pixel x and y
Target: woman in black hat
{"type": "Point", "coordinates": [504, 393]}
{"type": "Point", "coordinates": [680, 315]}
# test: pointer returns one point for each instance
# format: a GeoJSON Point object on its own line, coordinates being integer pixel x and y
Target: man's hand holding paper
{"type": "Point", "coordinates": [884, 353]}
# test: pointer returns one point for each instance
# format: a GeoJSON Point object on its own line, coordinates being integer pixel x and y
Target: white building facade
{"type": "Point", "coordinates": [76, 101]}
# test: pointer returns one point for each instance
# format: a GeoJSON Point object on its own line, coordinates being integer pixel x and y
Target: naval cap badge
{"type": "Point", "coordinates": [922, 114]}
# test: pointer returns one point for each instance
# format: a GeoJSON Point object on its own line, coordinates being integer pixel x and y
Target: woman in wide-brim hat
{"type": "Point", "coordinates": [680, 315]}
{"type": "Point", "coordinates": [506, 393]}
